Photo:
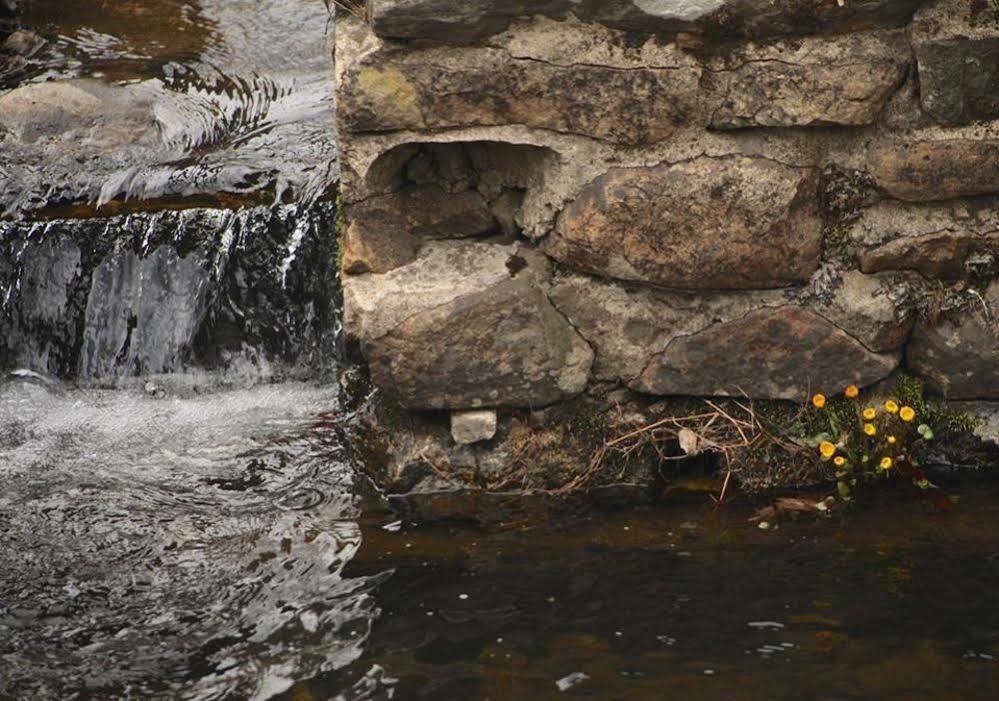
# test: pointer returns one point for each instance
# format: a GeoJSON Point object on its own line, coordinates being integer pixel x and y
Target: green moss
{"type": "Point", "coordinates": [937, 414]}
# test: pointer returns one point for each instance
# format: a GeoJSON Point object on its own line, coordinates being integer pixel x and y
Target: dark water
{"type": "Point", "coordinates": [204, 547]}
{"type": "Point", "coordinates": [157, 542]}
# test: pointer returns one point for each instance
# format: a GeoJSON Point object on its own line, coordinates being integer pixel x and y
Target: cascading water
{"type": "Point", "coordinates": [168, 230]}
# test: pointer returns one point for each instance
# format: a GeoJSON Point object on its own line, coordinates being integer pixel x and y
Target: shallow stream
{"type": "Point", "coordinates": [163, 542]}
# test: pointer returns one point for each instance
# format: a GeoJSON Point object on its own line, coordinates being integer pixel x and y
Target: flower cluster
{"type": "Point", "coordinates": [868, 440]}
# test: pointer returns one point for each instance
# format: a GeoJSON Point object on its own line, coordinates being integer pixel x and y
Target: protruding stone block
{"type": "Point", "coordinates": [945, 240]}
{"type": "Point", "coordinates": [708, 223]}
{"type": "Point", "coordinates": [384, 88]}
{"type": "Point", "coordinates": [469, 427]}
{"type": "Point", "coordinates": [467, 325]}
{"type": "Point", "coordinates": [939, 165]}
{"type": "Point", "coordinates": [467, 20]}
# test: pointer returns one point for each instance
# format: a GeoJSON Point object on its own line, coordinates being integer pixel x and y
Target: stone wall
{"type": "Point", "coordinates": [550, 197]}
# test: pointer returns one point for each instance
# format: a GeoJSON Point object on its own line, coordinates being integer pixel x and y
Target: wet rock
{"type": "Point", "coordinates": [384, 88]}
{"type": "Point", "coordinates": [79, 116]}
{"type": "Point", "coordinates": [956, 44]}
{"type": "Point", "coordinates": [23, 43]}
{"type": "Point", "coordinates": [813, 81]}
{"type": "Point", "coordinates": [763, 343]}
{"type": "Point", "coordinates": [466, 325]}
{"type": "Point", "coordinates": [709, 223]}
{"type": "Point", "coordinates": [959, 356]}
{"type": "Point", "coordinates": [250, 293]}
{"type": "Point", "coordinates": [946, 240]}
{"type": "Point", "coordinates": [384, 232]}
{"type": "Point", "coordinates": [460, 21]}
{"type": "Point", "coordinates": [41, 326]}
{"type": "Point", "coordinates": [938, 165]}
{"type": "Point", "coordinates": [469, 427]}
{"type": "Point", "coordinates": [142, 314]}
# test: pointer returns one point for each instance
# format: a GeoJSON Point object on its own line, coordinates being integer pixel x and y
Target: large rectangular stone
{"type": "Point", "coordinates": [803, 82]}
{"type": "Point", "coordinates": [386, 88]}
{"type": "Point", "coordinates": [708, 223]}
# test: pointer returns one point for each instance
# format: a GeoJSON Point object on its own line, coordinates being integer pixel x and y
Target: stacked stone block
{"type": "Point", "coordinates": [721, 197]}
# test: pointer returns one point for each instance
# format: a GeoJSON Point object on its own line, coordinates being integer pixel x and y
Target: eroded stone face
{"type": "Point", "coordinates": [766, 343]}
{"type": "Point", "coordinates": [385, 232]}
{"type": "Point", "coordinates": [959, 357]}
{"type": "Point", "coordinates": [467, 325]}
{"type": "Point", "coordinates": [710, 223]}
{"type": "Point", "coordinates": [783, 353]}
{"type": "Point", "coordinates": [439, 87]}
{"type": "Point", "coordinates": [956, 43]}
{"type": "Point", "coordinates": [804, 82]}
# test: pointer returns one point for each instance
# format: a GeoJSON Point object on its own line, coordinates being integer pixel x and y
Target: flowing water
{"type": "Point", "coordinates": [158, 541]}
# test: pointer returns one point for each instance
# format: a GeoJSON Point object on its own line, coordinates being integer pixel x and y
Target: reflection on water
{"type": "Point", "coordinates": [214, 546]}
{"type": "Point", "coordinates": [240, 93]}
{"type": "Point", "coordinates": [187, 547]}
{"type": "Point", "coordinates": [689, 603]}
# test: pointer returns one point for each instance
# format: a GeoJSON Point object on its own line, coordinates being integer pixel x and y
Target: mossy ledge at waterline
{"type": "Point", "coordinates": [565, 221]}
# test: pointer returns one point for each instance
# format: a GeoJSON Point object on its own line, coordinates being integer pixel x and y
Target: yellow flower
{"type": "Point", "coordinates": [827, 449]}
{"type": "Point", "coordinates": [839, 461]}
{"type": "Point", "coordinates": [885, 463]}
{"type": "Point", "coordinates": [851, 391]}
{"type": "Point", "coordinates": [870, 413]}
{"type": "Point", "coordinates": [819, 400]}
{"type": "Point", "coordinates": [891, 407]}
{"type": "Point", "coordinates": [869, 429]}
{"type": "Point", "coordinates": [891, 440]}
{"type": "Point", "coordinates": [907, 413]}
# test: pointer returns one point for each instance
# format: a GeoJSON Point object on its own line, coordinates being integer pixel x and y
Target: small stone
{"type": "Point", "coordinates": [469, 427]}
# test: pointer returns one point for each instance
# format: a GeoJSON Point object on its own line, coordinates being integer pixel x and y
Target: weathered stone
{"type": "Point", "coordinates": [780, 353]}
{"type": "Point", "coordinates": [467, 325]}
{"type": "Point", "coordinates": [468, 427]}
{"type": "Point", "coordinates": [938, 168]}
{"type": "Point", "coordinates": [384, 232]}
{"type": "Point", "coordinates": [761, 342]}
{"type": "Point", "coordinates": [959, 357]}
{"type": "Point", "coordinates": [956, 43]}
{"type": "Point", "coordinates": [804, 82]}
{"type": "Point", "coordinates": [464, 20]}
{"type": "Point", "coordinates": [870, 308]}
{"type": "Point", "coordinates": [386, 88]}
{"type": "Point", "coordinates": [709, 223]}
{"type": "Point", "coordinates": [946, 240]}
